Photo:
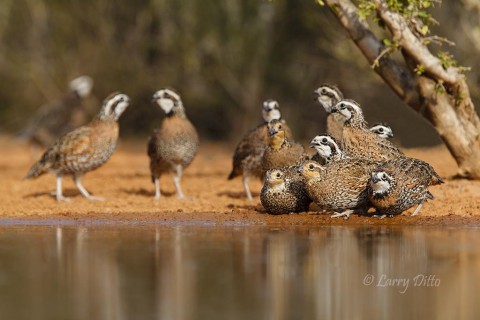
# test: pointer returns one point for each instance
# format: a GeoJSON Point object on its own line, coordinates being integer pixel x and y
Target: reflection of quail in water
{"type": "Point", "coordinates": [83, 149]}
{"type": "Point", "coordinates": [54, 120]}
{"type": "Point", "coordinates": [382, 130]}
{"type": "Point", "coordinates": [340, 186]}
{"type": "Point", "coordinates": [247, 158]}
{"type": "Point", "coordinates": [173, 146]}
{"type": "Point", "coordinates": [284, 192]}
{"type": "Point", "coordinates": [328, 96]}
{"type": "Point", "coordinates": [401, 183]}
{"type": "Point", "coordinates": [358, 141]}
{"type": "Point", "coordinates": [327, 150]}
{"type": "Point", "coordinates": [280, 151]}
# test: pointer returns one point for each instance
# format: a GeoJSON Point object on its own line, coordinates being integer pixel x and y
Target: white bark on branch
{"type": "Point", "coordinates": [402, 34]}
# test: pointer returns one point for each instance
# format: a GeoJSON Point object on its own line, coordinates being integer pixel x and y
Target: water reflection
{"type": "Point", "coordinates": [238, 273]}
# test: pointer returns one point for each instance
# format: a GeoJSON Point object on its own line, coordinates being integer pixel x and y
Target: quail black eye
{"type": "Point", "coordinates": [380, 129]}
{"type": "Point", "coordinates": [280, 126]}
{"type": "Point", "coordinates": [278, 175]}
{"type": "Point", "coordinates": [342, 105]}
{"type": "Point", "coordinates": [324, 91]}
{"type": "Point", "coordinates": [310, 167]}
{"type": "Point", "coordinates": [384, 177]}
{"type": "Point", "coordinates": [324, 140]}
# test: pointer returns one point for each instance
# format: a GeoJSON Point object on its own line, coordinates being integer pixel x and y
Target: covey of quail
{"type": "Point", "coordinates": [83, 149]}
{"type": "Point", "coordinates": [173, 146]}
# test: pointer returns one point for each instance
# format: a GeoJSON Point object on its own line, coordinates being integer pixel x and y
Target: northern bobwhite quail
{"type": "Point", "coordinates": [281, 152]}
{"type": "Point", "coordinates": [57, 118]}
{"type": "Point", "coordinates": [173, 146]}
{"type": "Point", "coordinates": [328, 95]}
{"type": "Point", "coordinates": [83, 149]}
{"type": "Point", "coordinates": [358, 141]}
{"type": "Point", "coordinates": [382, 130]}
{"type": "Point", "coordinates": [247, 158]}
{"type": "Point", "coordinates": [327, 149]}
{"type": "Point", "coordinates": [340, 186]}
{"type": "Point", "coordinates": [398, 184]}
{"type": "Point", "coordinates": [284, 191]}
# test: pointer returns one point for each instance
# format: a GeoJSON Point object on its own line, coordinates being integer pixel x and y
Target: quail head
{"type": "Point", "coordinates": [327, 149]}
{"type": "Point", "coordinates": [382, 130]}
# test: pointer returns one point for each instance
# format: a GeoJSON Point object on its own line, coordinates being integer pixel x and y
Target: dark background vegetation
{"type": "Point", "coordinates": [223, 57]}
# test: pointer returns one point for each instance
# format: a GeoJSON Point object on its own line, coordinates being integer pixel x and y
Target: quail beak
{"type": "Point", "coordinates": [313, 144]}
{"type": "Point", "coordinates": [333, 110]}
{"type": "Point", "coordinates": [390, 135]}
{"type": "Point", "coordinates": [272, 132]}
{"type": "Point", "coordinates": [300, 169]}
{"type": "Point", "coordinates": [315, 95]}
{"type": "Point", "coordinates": [375, 179]}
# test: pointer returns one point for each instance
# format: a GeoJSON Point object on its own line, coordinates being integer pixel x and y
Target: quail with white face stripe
{"type": "Point", "coordinates": [382, 130]}
{"type": "Point", "coordinates": [83, 149]}
{"type": "Point", "coordinates": [327, 149]}
{"type": "Point", "coordinates": [173, 146]}
{"type": "Point", "coordinates": [401, 183]}
{"type": "Point", "coordinates": [328, 96]}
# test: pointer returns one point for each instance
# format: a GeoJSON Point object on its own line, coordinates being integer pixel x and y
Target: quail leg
{"type": "Point", "coordinates": [156, 181]}
{"type": "Point", "coordinates": [246, 187]}
{"type": "Point", "coordinates": [417, 210]}
{"type": "Point", "coordinates": [58, 192]}
{"type": "Point", "coordinates": [176, 179]}
{"type": "Point", "coordinates": [83, 191]}
{"type": "Point", "coordinates": [345, 214]}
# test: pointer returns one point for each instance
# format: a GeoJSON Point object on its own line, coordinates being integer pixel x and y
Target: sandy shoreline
{"type": "Point", "coordinates": [125, 183]}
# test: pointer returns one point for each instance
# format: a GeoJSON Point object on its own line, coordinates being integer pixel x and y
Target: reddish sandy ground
{"type": "Point", "coordinates": [125, 183]}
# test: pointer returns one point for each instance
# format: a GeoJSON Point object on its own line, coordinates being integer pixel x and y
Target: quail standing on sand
{"type": "Point", "coordinates": [357, 140]}
{"type": "Point", "coordinates": [281, 152]}
{"type": "Point", "coordinates": [173, 146]}
{"type": "Point", "coordinates": [55, 119]}
{"type": "Point", "coordinates": [83, 149]}
{"type": "Point", "coordinates": [328, 95]}
{"type": "Point", "coordinates": [401, 183]}
{"type": "Point", "coordinates": [247, 158]}
{"type": "Point", "coordinates": [284, 191]}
